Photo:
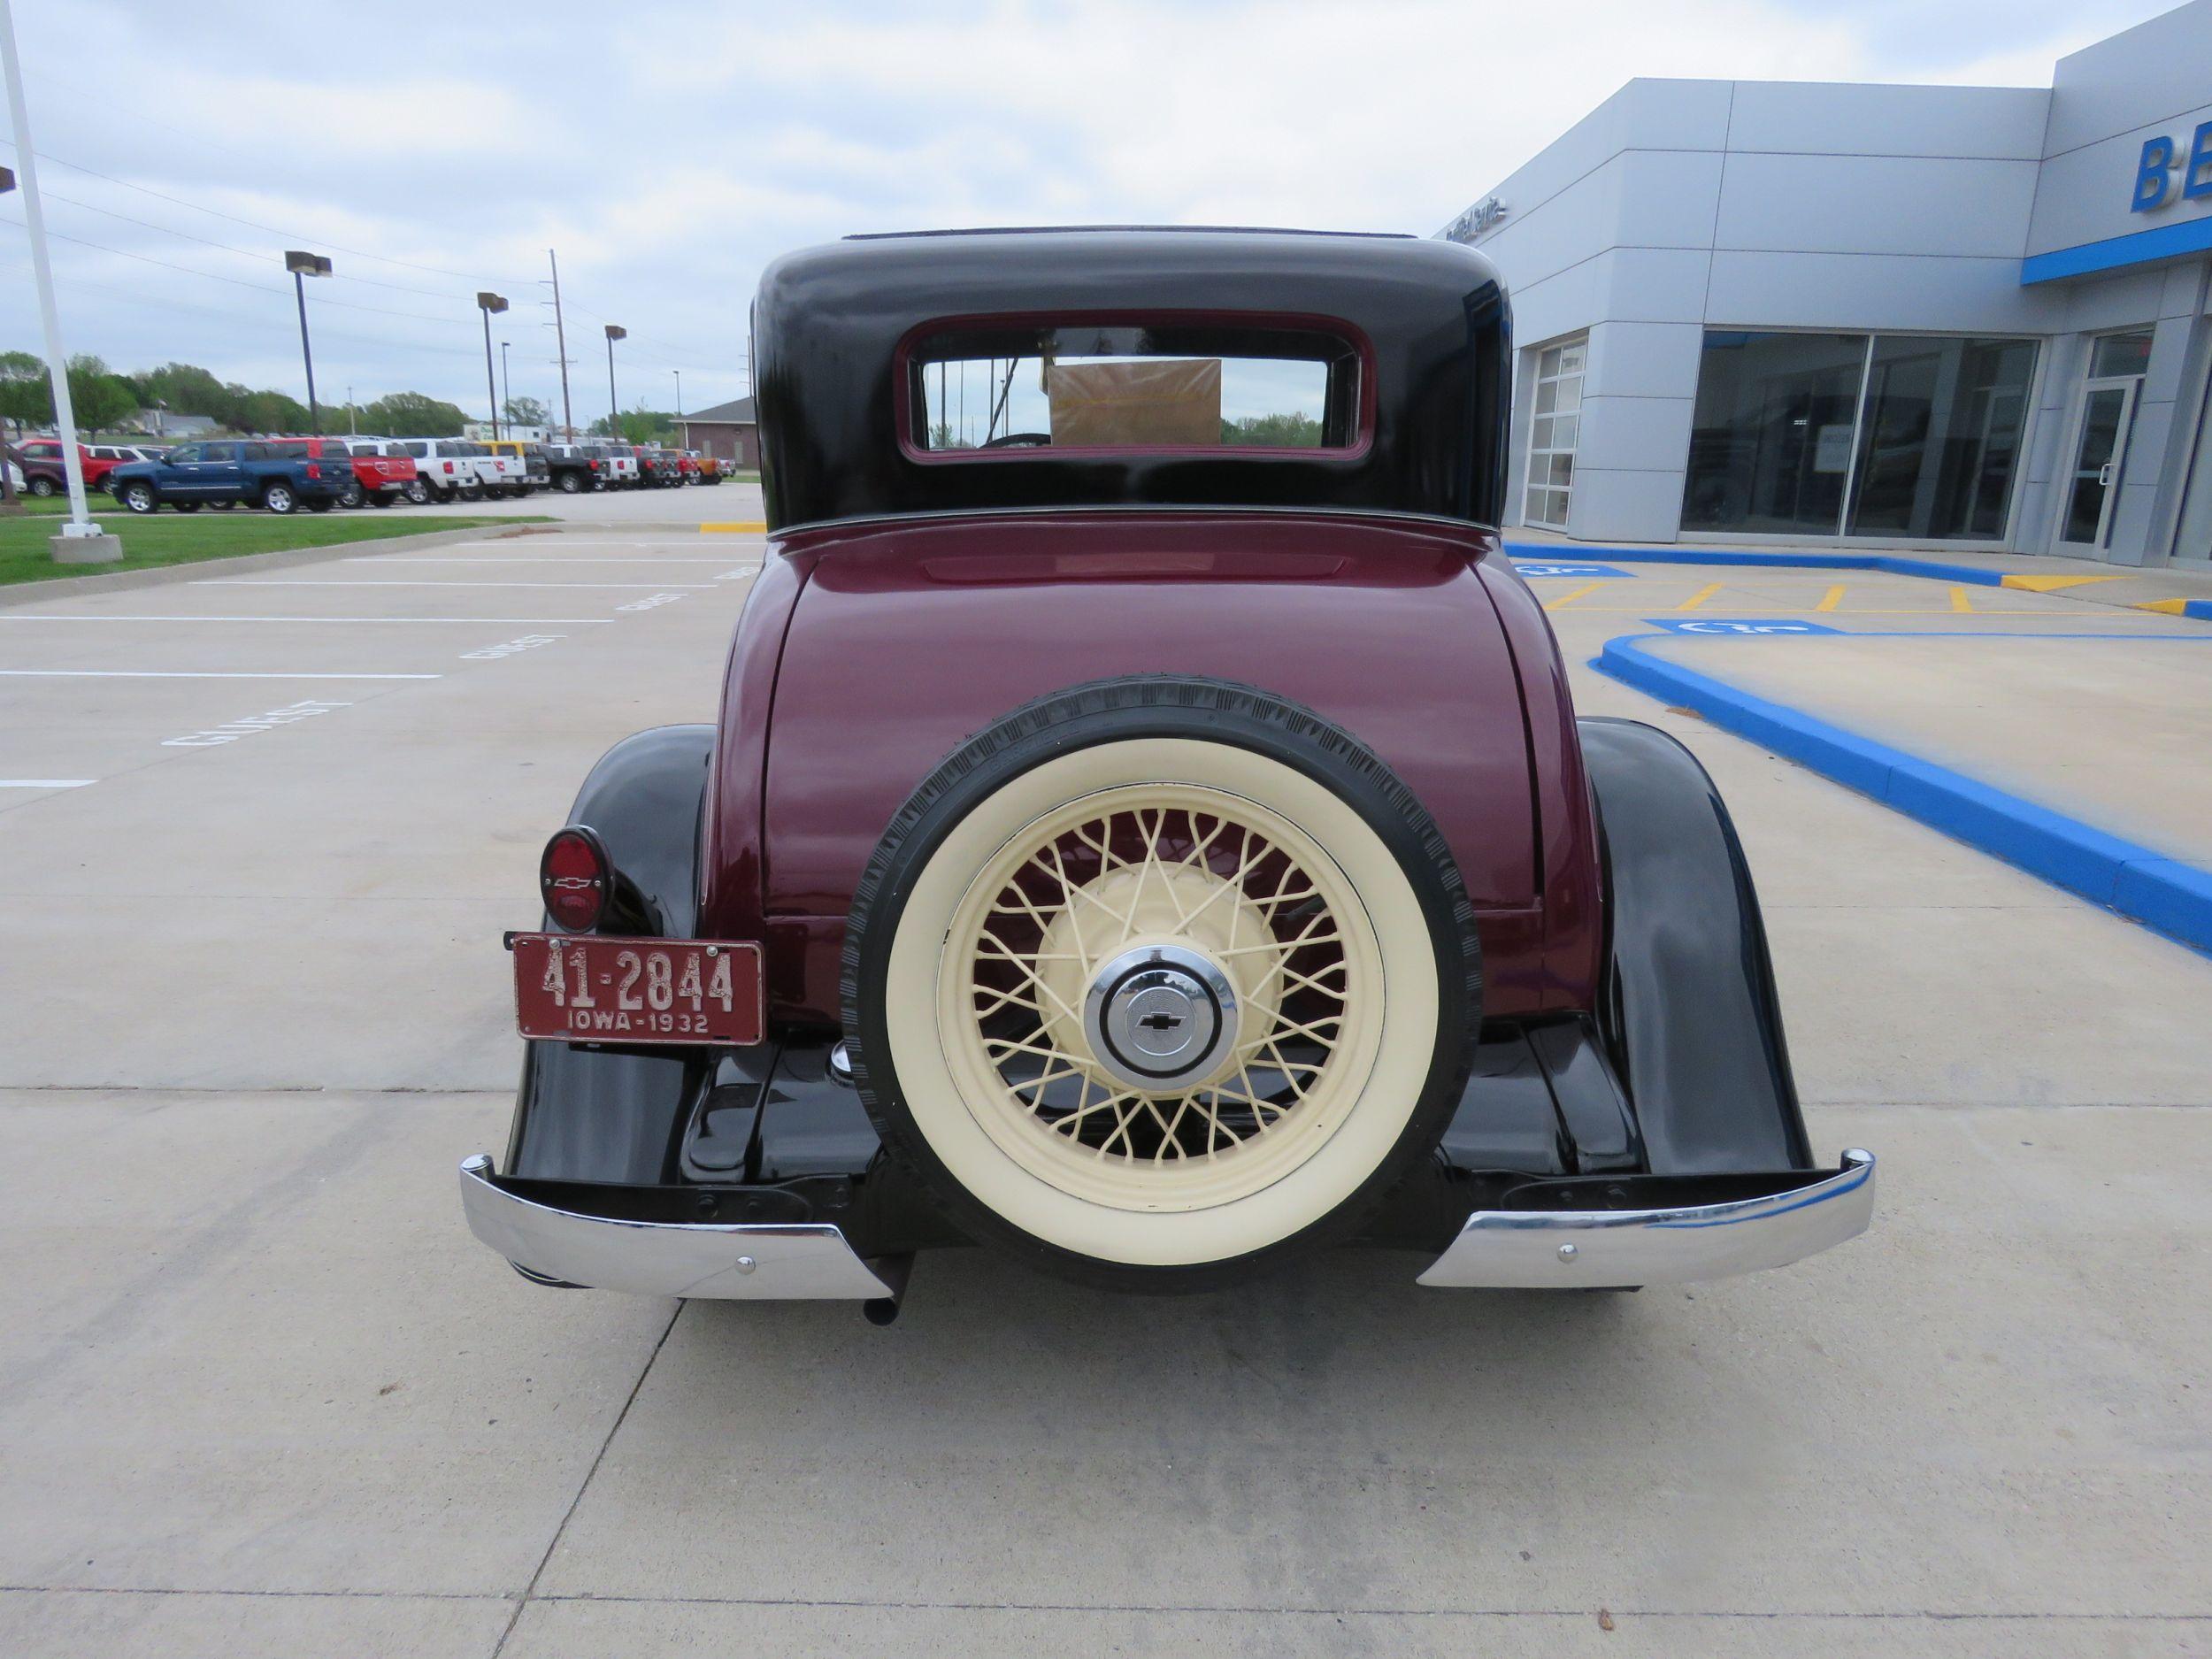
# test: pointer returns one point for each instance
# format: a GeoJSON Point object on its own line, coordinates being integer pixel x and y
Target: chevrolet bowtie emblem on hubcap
{"type": "Point", "coordinates": [1160, 1015]}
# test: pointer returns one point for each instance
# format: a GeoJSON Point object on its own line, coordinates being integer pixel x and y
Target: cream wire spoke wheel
{"type": "Point", "coordinates": [1160, 975]}
{"type": "Point", "coordinates": [1151, 994]}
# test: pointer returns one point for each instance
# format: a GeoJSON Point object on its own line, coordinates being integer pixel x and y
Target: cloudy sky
{"type": "Point", "coordinates": [668, 151]}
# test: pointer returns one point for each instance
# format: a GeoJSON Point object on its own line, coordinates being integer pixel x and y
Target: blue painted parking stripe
{"type": "Point", "coordinates": [2140, 882]}
{"type": "Point", "coordinates": [1974, 575]}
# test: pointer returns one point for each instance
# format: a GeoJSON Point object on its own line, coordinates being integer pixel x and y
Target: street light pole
{"type": "Point", "coordinates": [560, 345]}
{"type": "Point", "coordinates": [487, 303]}
{"type": "Point", "coordinates": [679, 373]}
{"type": "Point", "coordinates": [80, 526]}
{"type": "Point", "coordinates": [506, 386]}
{"type": "Point", "coordinates": [614, 404]}
{"type": "Point", "coordinates": [303, 265]}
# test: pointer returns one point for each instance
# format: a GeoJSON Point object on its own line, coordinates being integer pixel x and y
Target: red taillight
{"type": "Point", "coordinates": [594, 467]}
{"type": "Point", "coordinates": [449, 466]}
{"type": "Point", "coordinates": [314, 471]}
{"type": "Point", "coordinates": [574, 875]}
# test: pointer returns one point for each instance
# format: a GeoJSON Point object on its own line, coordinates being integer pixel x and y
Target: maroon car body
{"type": "Point", "coordinates": [1185, 606]}
{"type": "Point", "coordinates": [893, 649]}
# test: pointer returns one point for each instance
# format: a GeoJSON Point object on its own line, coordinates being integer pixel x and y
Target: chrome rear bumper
{"type": "Point", "coordinates": [659, 1258]}
{"type": "Point", "coordinates": [1513, 1249]}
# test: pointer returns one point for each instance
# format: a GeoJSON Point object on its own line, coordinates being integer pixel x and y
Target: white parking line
{"type": "Point", "coordinates": [258, 581]}
{"type": "Point", "coordinates": [46, 783]}
{"type": "Point", "coordinates": [574, 622]}
{"type": "Point", "coordinates": [550, 558]}
{"type": "Point", "coordinates": [161, 673]}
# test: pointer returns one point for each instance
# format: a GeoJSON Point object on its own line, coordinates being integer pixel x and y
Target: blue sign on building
{"type": "Point", "coordinates": [2153, 173]}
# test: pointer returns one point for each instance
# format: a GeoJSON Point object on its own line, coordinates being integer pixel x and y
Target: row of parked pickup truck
{"type": "Point", "coordinates": [287, 474]}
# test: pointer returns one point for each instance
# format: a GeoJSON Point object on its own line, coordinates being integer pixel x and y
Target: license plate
{"type": "Point", "coordinates": [586, 989]}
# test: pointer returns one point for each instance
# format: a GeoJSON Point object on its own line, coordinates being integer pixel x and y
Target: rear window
{"type": "Point", "coordinates": [287, 451]}
{"type": "Point", "coordinates": [1023, 387]}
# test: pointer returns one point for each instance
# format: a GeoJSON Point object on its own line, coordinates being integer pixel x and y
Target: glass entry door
{"type": "Point", "coordinates": [2100, 444]}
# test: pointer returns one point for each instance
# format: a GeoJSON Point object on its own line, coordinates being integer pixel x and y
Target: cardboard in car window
{"type": "Point", "coordinates": [1147, 401]}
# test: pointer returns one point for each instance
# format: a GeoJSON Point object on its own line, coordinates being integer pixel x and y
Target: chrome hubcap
{"type": "Point", "coordinates": [1160, 1015]}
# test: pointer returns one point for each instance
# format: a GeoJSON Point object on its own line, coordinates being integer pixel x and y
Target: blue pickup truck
{"type": "Point", "coordinates": [229, 471]}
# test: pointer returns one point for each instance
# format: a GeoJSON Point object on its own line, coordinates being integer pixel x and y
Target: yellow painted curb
{"type": "Point", "coordinates": [2051, 584]}
{"type": "Point", "coordinates": [2166, 607]}
{"type": "Point", "coordinates": [741, 527]}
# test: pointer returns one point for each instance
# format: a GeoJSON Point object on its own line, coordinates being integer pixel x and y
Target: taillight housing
{"type": "Point", "coordinates": [576, 878]}
{"type": "Point", "coordinates": [594, 467]}
{"type": "Point", "coordinates": [314, 471]}
{"type": "Point", "coordinates": [449, 466]}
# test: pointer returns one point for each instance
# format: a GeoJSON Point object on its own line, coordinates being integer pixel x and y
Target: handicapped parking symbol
{"type": "Point", "coordinates": [1529, 568]}
{"type": "Point", "coordinates": [1760, 625]}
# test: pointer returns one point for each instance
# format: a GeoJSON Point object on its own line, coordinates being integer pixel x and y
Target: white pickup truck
{"type": "Point", "coordinates": [456, 466]}
{"type": "Point", "coordinates": [606, 465]}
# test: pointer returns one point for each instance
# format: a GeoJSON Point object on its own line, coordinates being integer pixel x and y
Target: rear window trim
{"type": "Point", "coordinates": [1342, 329]}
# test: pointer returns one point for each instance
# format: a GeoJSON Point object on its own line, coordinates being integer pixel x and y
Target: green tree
{"type": "Point", "coordinates": [97, 398]}
{"type": "Point", "coordinates": [640, 425]}
{"type": "Point", "coordinates": [413, 415]}
{"type": "Point", "coordinates": [527, 411]}
{"type": "Point", "coordinates": [1290, 431]}
{"type": "Point", "coordinates": [25, 396]}
{"type": "Point", "coordinates": [189, 389]}
{"type": "Point", "coordinates": [267, 411]}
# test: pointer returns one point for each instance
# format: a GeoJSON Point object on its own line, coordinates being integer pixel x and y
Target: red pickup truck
{"type": "Point", "coordinates": [43, 473]}
{"type": "Point", "coordinates": [382, 471]}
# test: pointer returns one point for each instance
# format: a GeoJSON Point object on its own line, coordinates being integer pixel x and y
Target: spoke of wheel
{"type": "Point", "coordinates": [1120, 1133]}
{"type": "Point", "coordinates": [1048, 1052]}
{"type": "Point", "coordinates": [1235, 884]}
{"type": "Point", "coordinates": [1068, 890]}
{"type": "Point", "coordinates": [1182, 1110]}
{"type": "Point", "coordinates": [1030, 973]}
{"type": "Point", "coordinates": [1082, 1110]}
{"type": "Point", "coordinates": [1036, 1102]}
{"type": "Point", "coordinates": [1003, 999]}
{"type": "Point", "coordinates": [1286, 1026]}
{"type": "Point", "coordinates": [1153, 1106]}
{"type": "Point", "coordinates": [1312, 981]}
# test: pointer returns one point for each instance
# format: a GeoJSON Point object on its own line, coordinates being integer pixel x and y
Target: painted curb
{"type": "Point", "coordinates": [2140, 883]}
{"type": "Point", "coordinates": [2197, 610]}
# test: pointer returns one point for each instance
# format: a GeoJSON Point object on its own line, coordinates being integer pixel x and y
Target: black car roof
{"type": "Point", "coordinates": [829, 320]}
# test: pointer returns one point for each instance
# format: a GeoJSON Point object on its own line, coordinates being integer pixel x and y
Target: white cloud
{"type": "Point", "coordinates": [670, 158]}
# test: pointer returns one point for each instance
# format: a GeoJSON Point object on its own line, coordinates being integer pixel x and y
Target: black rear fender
{"type": "Point", "coordinates": [1689, 1011]}
{"type": "Point", "coordinates": [588, 1114]}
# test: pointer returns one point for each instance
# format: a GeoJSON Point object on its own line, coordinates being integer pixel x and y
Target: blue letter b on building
{"type": "Point", "coordinates": [2150, 175]}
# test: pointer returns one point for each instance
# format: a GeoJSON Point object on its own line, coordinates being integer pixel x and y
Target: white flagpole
{"type": "Point", "coordinates": [35, 217]}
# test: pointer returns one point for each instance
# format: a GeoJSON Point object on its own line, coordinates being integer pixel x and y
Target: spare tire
{"type": "Point", "coordinates": [1158, 980]}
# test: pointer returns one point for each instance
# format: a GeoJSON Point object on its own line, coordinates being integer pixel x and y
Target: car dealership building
{"type": "Point", "coordinates": [1865, 316]}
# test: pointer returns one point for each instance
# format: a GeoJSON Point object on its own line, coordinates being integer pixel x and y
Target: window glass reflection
{"type": "Point", "coordinates": [1940, 438]}
{"type": "Point", "coordinates": [1919, 438]}
{"type": "Point", "coordinates": [1770, 443]}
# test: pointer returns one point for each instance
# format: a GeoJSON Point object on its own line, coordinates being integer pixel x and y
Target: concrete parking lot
{"type": "Point", "coordinates": [262, 1394]}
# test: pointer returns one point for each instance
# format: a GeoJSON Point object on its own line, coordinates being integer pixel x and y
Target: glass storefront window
{"type": "Point", "coordinates": [1940, 437]}
{"type": "Point", "coordinates": [1895, 435]}
{"type": "Point", "coordinates": [1771, 443]}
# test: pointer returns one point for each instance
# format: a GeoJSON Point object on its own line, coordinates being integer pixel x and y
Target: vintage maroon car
{"type": "Point", "coordinates": [1147, 830]}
